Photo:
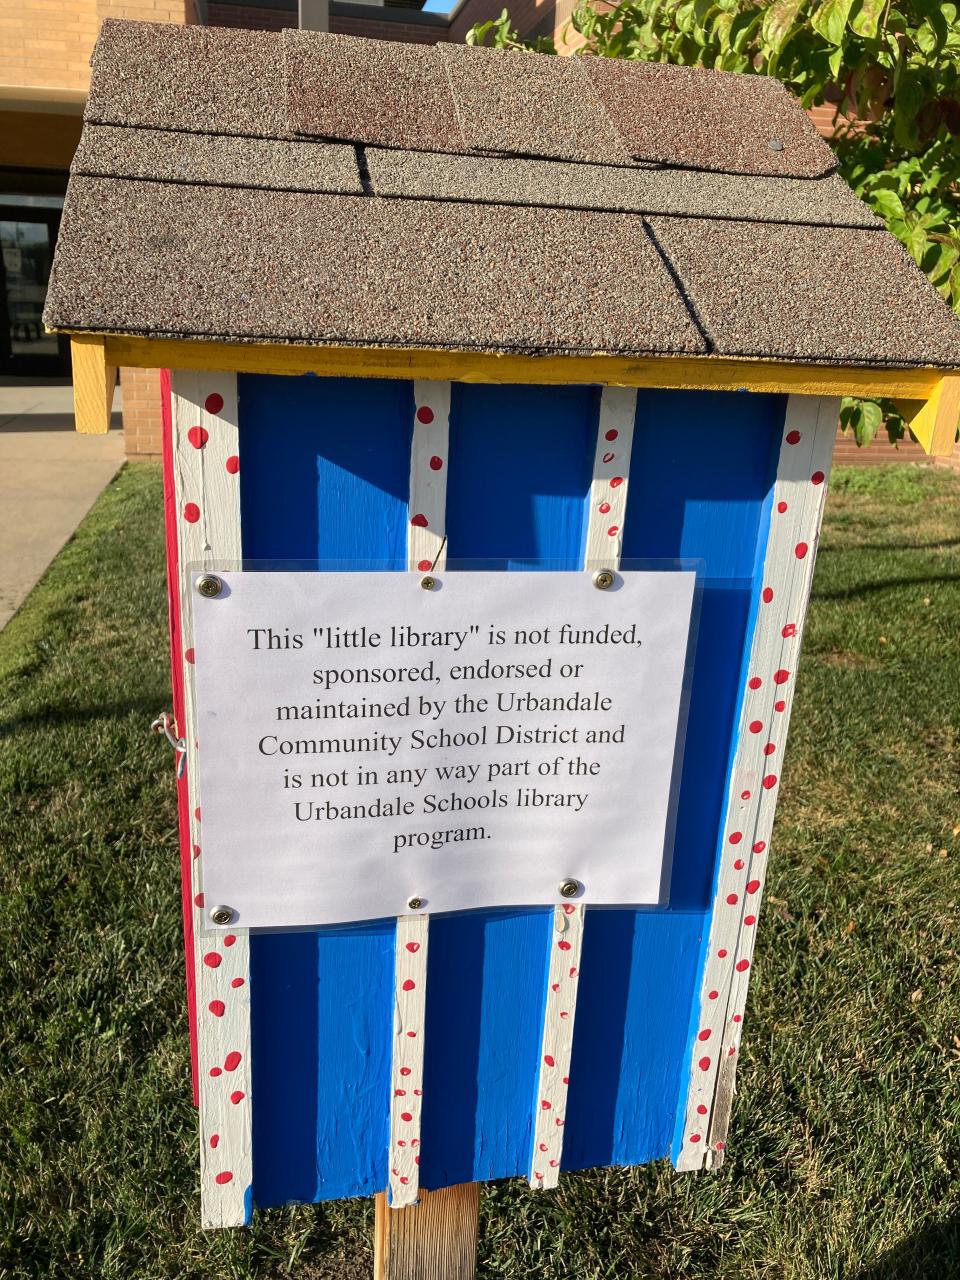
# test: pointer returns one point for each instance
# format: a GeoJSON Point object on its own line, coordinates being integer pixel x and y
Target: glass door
{"type": "Point", "coordinates": [27, 239]}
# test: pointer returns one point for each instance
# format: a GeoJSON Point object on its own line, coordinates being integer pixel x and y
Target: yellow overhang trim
{"type": "Point", "coordinates": [926, 396]}
{"type": "Point", "coordinates": [94, 380]}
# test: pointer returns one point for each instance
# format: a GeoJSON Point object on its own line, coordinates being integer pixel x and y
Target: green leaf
{"type": "Point", "coordinates": [778, 22]}
{"type": "Point", "coordinates": [865, 21]}
{"type": "Point", "coordinates": [868, 422]}
{"type": "Point", "coordinates": [888, 204]}
{"type": "Point", "coordinates": [830, 20]}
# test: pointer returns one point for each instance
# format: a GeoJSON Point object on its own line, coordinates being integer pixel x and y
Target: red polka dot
{"type": "Point", "coordinates": [769, 781]}
{"type": "Point", "coordinates": [545, 1105]}
{"type": "Point", "coordinates": [756, 726]}
{"type": "Point", "coordinates": [411, 1035]}
{"type": "Point", "coordinates": [753, 886]}
{"type": "Point", "coordinates": [712, 995]}
{"type": "Point", "coordinates": [196, 813]}
{"type": "Point", "coordinates": [425, 414]}
{"type": "Point", "coordinates": [780, 706]}
{"type": "Point", "coordinates": [800, 550]}
{"type": "Point", "coordinates": [704, 1034]}
{"type": "Point", "coordinates": [609, 457]}
{"type": "Point", "coordinates": [217, 1008]}
{"type": "Point", "coordinates": [749, 919]}
{"type": "Point", "coordinates": [408, 985]}
{"type": "Point", "coordinates": [766, 595]}
{"type": "Point", "coordinates": [405, 1071]}
{"type": "Point", "coordinates": [736, 837]}
{"type": "Point", "coordinates": [616, 482]}
{"type": "Point", "coordinates": [781, 676]}
{"type": "Point", "coordinates": [793, 437]}
{"type": "Point", "coordinates": [769, 749]}
{"type": "Point", "coordinates": [229, 939]}
{"type": "Point", "coordinates": [198, 900]}
{"type": "Point", "coordinates": [789, 631]}
{"type": "Point", "coordinates": [738, 1017]}
{"type": "Point", "coordinates": [611, 434]}
{"type": "Point", "coordinates": [694, 1137]}
{"type": "Point", "coordinates": [722, 953]}
{"type": "Point", "coordinates": [436, 463]}
{"type": "Point", "coordinates": [759, 846]}
{"type": "Point", "coordinates": [603, 508]}
{"type": "Point", "coordinates": [213, 959]}
{"type": "Point", "coordinates": [413, 947]}
{"type": "Point", "coordinates": [548, 1060]}
{"type": "Point", "coordinates": [754, 682]}
{"type": "Point", "coordinates": [704, 1064]}
{"type": "Point", "coordinates": [419, 520]}
{"type": "Point", "coordinates": [732, 899]}
{"type": "Point", "coordinates": [213, 403]}
{"type": "Point", "coordinates": [223, 1178]}
{"type": "Point", "coordinates": [701, 1110]}
{"type": "Point", "coordinates": [190, 656]}
{"type": "Point", "coordinates": [233, 464]}
{"type": "Point", "coordinates": [237, 1096]}
{"type": "Point", "coordinates": [216, 1071]}
{"type": "Point", "coordinates": [738, 865]}
{"type": "Point", "coordinates": [238, 982]}
{"type": "Point", "coordinates": [744, 795]}
{"type": "Point", "coordinates": [817, 478]}
{"type": "Point", "coordinates": [742, 966]}
{"type": "Point", "coordinates": [613, 530]}
{"type": "Point", "coordinates": [196, 851]}
{"type": "Point", "coordinates": [424, 565]}
{"type": "Point", "coordinates": [191, 513]}
{"type": "Point", "coordinates": [731, 1051]}
{"type": "Point", "coordinates": [232, 1061]}
{"type": "Point", "coordinates": [720, 1146]}
{"type": "Point", "coordinates": [198, 436]}
{"type": "Point", "coordinates": [564, 945]}
{"type": "Point", "coordinates": [781, 507]}
{"type": "Point", "coordinates": [214, 1140]}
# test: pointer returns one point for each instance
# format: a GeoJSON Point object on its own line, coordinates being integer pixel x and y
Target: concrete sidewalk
{"type": "Point", "coordinates": [49, 479]}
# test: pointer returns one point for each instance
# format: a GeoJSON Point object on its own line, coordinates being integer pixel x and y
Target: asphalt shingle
{"type": "Point", "coordinates": [191, 79]}
{"type": "Point", "coordinates": [512, 103]}
{"type": "Point", "coordinates": [376, 91]}
{"type": "Point", "coordinates": [702, 119]}
{"type": "Point", "coordinates": [218, 262]}
{"type": "Point", "coordinates": [274, 164]}
{"type": "Point", "coordinates": [826, 294]}
{"type": "Point", "coordinates": [826, 201]}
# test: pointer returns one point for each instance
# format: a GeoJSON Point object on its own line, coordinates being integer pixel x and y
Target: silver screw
{"type": "Point", "coordinates": [221, 915]}
{"type": "Point", "coordinates": [603, 579]}
{"type": "Point", "coordinates": [428, 583]}
{"type": "Point", "coordinates": [415, 904]}
{"type": "Point", "coordinates": [209, 586]}
{"type": "Point", "coordinates": [775, 144]}
{"type": "Point", "coordinates": [570, 888]}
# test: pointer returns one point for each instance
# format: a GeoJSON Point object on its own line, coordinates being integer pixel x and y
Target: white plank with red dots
{"type": "Point", "coordinates": [608, 505]}
{"type": "Point", "coordinates": [206, 479]}
{"type": "Point", "coordinates": [798, 500]}
{"type": "Point", "coordinates": [426, 543]}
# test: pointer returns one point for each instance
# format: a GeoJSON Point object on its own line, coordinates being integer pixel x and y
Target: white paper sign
{"type": "Point", "coordinates": [363, 741]}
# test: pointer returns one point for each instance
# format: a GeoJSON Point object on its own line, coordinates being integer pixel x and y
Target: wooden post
{"type": "Point", "coordinates": [433, 1240]}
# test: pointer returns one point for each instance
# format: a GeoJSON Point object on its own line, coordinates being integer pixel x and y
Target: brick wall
{"type": "Point", "coordinates": [141, 412]}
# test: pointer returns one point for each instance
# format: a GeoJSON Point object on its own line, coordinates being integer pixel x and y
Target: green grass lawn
{"type": "Point", "coordinates": [844, 1158]}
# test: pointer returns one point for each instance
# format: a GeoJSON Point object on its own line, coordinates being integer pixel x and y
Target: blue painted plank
{"type": "Point", "coordinates": [325, 476]}
{"type": "Point", "coordinates": [701, 476]}
{"type": "Point", "coordinates": [517, 487]}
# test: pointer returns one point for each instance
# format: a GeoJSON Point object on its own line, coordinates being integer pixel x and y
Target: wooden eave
{"type": "Point", "coordinates": [928, 398]}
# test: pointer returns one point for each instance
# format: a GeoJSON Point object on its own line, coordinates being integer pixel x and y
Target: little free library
{"type": "Point", "coordinates": [500, 399]}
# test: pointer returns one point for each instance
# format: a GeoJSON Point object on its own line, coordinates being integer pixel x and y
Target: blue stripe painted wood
{"type": "Point", "coordinates": [326, 465]}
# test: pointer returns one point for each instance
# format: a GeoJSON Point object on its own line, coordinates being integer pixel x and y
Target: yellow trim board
{"type": "Point", "coordinates": [914, 388]}
{"type": "Point", "coordinates": [934, 422]}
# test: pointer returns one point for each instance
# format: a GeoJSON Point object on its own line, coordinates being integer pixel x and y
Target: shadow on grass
{"type": "Point", "coordinates": [50, 716]}
{"type": "Point", "coordinates": [870, 588]}
{"type": "Point", "coordinates": [933, 1253]}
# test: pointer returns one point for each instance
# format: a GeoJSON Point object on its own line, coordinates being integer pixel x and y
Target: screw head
{"type": "Point", "coordinates": [775, 144]}
{"type": "Point", "coordinates": [428, 583]}
{"type": "Point", "coordinates": [209, 585]}
{"type": "Point", "coordinates": [570, 888]}
{"type": "Point", "coordinates": [221, 915]}
{"type": "Point", "coordinates": [603, 579]}
{"type": "Point", "coordinates": [415, 903]}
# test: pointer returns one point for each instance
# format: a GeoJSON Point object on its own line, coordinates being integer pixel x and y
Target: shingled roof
{"type": "Point", "coordinates": [322, 189]}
